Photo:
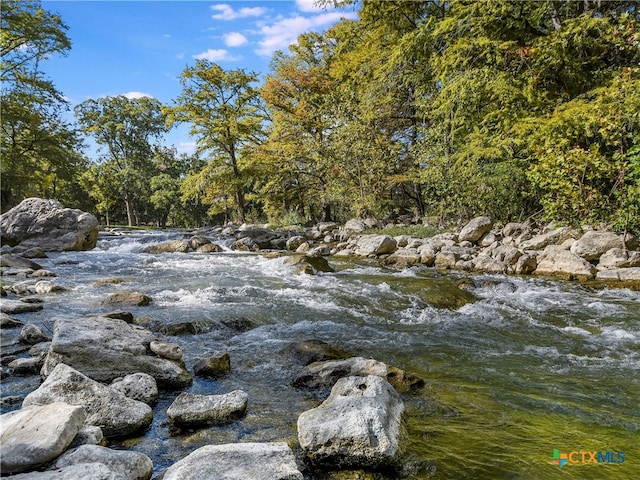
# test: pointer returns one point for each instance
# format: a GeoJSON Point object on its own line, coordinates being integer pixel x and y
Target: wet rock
{"type": "Point", "coordinates": [106, 408]}
{"type": "Point", "coordinates": [138, 386]}
{"type": "Point", "coordinates": [132, 299]}
{"type": "Point", "coordinates": [294, 242]}
{"type": "Point", "coordinates": [15, 307]}
{"type": "Point", "coordinates": [237, 461]}
{"type": "Point", "coordinates": [475, 229]}
{"type": "Point", "coordinates": [210, 248]}
{"type": "Point", "coordinates": [120, 315]}
{"type": "Point", "coordinates": [245, 244]}
{"type": "Point", "coordinates": [85, 471]}
{"type": "Point", "coordinates": [556, 261]}
{"type": "Point", "coordinates": [261, 237]}
{"type": "Point", "coordinates": [198, 241]}
{"type": "Point", "coordinates": [6, 321]}
{"type": "Point", "coordinates": [32, 334]}
{"type": "Point", "coordinates": [375, 245]}
{"type": "Point", "coordinates": [27, 366]}
{"type": "Point", "coordinates": [317, 263]}
{"type": "Point", "coordinates": [213, 367]}
{"type": "Point", "coordinates": [189, 409]}
{"type": "Point", "coordinates": [43, 273]}
{"type": "Point", "coordinates": [46, 224]}
{"type": "Point", "coordinates": [44, 287]}
{"type": "Point", "coordinates": [126, 464]}
{"type": "Point", "coordinates": [174, 246]}
{"type": "Point", "coordinates": [310, 351]}
{"type": "Point", "coordinates": [105, 349]}
{"type": "Point", "coordinates": [167, 350]}
{"type": "Point", "coordinates": [239, 324]}
{"type": "Point", "coordinates": [189, 328]}
{"type": "Point", "coordinates": [325, 374]}
{"type": "Point", "coordinates": [35, 435]}
{"type": "Point", "coordinates": [357, 426]}
{"type": "Point", "coordinates": [17, 261]}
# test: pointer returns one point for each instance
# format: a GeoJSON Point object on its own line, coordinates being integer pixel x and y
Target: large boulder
{"type": "Point", "coordinates": [127, 465]}
{"type": "Point", "coordinates": [593, 244]}
{"type": "Point", "coordinates": [554, 237]}
{"type": "Point", "coordinates": [630, 275]}
{"type": "Point", "coordinates": [357, 426]}
{"type": "Point", "coordinates": [475, 229]}
{"type": "Point", "coordinates": [107, 348]}
{"type": "Point", "coordinates": [35, 435]}
{"type": "Point", "coordinates": [619, 258]}
{"type": "Point", "coordinates": [237, 461]}
{"type": "Point", "coordinates": [106, 408]}
{"type": "Point", "coordinates": [84, 471]}
{"type": "Point", "coordinates": [190, 409]}
{"type": "Point", "coordinates": [326, 373]}
{"type": "Point", "coordinates": [46, 224]}
{"type": "Point", "coordinates": [557, 261]}
{"type": "Point", "coordinates": [375, 245]}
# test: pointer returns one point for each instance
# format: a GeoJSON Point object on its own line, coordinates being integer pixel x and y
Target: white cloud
{"type": "Point", "coordinates": [235, 39]}
{"type": "Point", "coordinates": [285, 31]}
{"type": "Point", "coordinates": [308, 6]}
{"type": "Point", "coordinates": [215, 55]}
{"type": "Point", "coordinates": [136, 95]}
{"type": "Point", "coordinates": [186, 147]}
{"type": "Point", "coordinates": [228, 13]}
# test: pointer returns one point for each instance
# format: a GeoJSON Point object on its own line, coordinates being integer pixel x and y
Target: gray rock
{"type": "Point", "coordinates": [138, 386]}
{"type": "Point", "coordinates": [106, 408]}
{"type": "Point", "coordinates": [593, 244]}
{"type": "Point", "coordinates": [619, 258]}
{"type": "Point", "coordinates": [35, 435]}
{"type": "Point", "coordinates": [325, 374]}
{"type": "Point", "coordinates": [6, 321]}
{"type": "Point", "coordinates": [484, 264]}
{"type": "Point", "coordinates": [526, 264]}
{"type": "Point", "coordinates": [213, 367]}
{"type": "Point", "coordinates": [32, 334]}
{"type": "Point", "coordinates": [27, 366]}
{"type": "Point", "coordinates": [475, 229]}
{"type": "Point", "coordinates": [317, 263]}
{"type": "Point", "coordinates": [132, 299]}
{"type": "Point", "coordinates": [88, 435]}
{"type": "Point", "coordinates": [294, 242]}
{"type": "Point", "coordinates": [357, 426]}
{"type": "Point", "coordinates": [555, 237]}
{"type": "Point", "coordinates": [17, 261]}
{"type": "Point", "coordinates": [105, 349]}
{"type": "Point", "coordinates": [261, 237]}
{"type": "Point", "coordinates": [167, 350]}
{"type": "Point", "coordinates": [198, 241]}
{"type": "Point", "coordinates": [375, 245]}
{"type": "Point", "coordinates": [210, 248]}
{"type": "Point", "coordinates": [46, 224]}
{"type": "Point", "coordinates": [189, 409]}
{"type": "Point", "coordinates": [556, 261]}
{"type": "Point", "coordinates": [237, 461]}
{"type": "Point", "coordinates": [173, 246]}
{"type": "Point", "coordinates": [311, 351]}
{"type": "Point", "coordinates": [15, 307]}
{"type": "Point", "coordinates": [85, 471]}
{"type": "Point", "coordinates": [245, 244]}
{"type": "Point", "coordinates": [631, 274]}
{"type": "Point", "coordinates": [126, 464]}
{"type": "Point", "coordinates": [44, 287]}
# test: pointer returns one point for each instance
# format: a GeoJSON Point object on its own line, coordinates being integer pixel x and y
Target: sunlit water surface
{"type": "Point", "coordinates": [530, 367]}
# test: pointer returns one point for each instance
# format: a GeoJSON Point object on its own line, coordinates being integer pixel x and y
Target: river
{"type": "Point", "coordinates": [531, 367]}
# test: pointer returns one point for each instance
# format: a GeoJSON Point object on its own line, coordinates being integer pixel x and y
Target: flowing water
{"type": "Point", "coordinates": [531, 367]}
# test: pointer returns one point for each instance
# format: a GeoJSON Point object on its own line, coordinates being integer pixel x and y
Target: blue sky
{"type": "Point", "coordinates": [139, 48]}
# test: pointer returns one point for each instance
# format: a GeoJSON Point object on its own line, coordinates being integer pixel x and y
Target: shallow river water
{"type": "Point", "coordinates": [531, 367]}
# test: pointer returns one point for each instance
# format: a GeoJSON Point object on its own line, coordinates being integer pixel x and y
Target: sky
{"type": "Point", "coordinates": [140, 47]}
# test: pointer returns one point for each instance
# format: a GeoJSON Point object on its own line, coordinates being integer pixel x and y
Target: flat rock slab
{"type": "Point", "coordinates": [35, 435]}
{"type": "Point", "coordinates": [358, 426]}
{"type": "Point", "coordinates": [237, 461]}
{"type": "Point", "coordinates": [106, 408]}
{"type": "Point", "coordinates": [84, 471]}
{"type": "Point", "coordinates": [13, 307]}
{"type": "Point", "coordinates": [105, 349]}
{"type": "Point", "coordinates": [189, 409]}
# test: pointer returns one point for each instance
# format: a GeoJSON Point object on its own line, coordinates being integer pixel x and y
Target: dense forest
{"type": "Point", "coordinates": [425, 111]}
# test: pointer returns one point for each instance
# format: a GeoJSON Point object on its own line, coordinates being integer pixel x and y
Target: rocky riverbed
{"type": "Point", "coordinates": [156, 355]}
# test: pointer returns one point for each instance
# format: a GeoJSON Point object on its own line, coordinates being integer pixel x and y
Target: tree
{"type": "Point", "coordinates": [39, 149]}
{"type": "Point", "coordinates": [225, 113]}
{"type": "Point", "coordinates": [127, 128]}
